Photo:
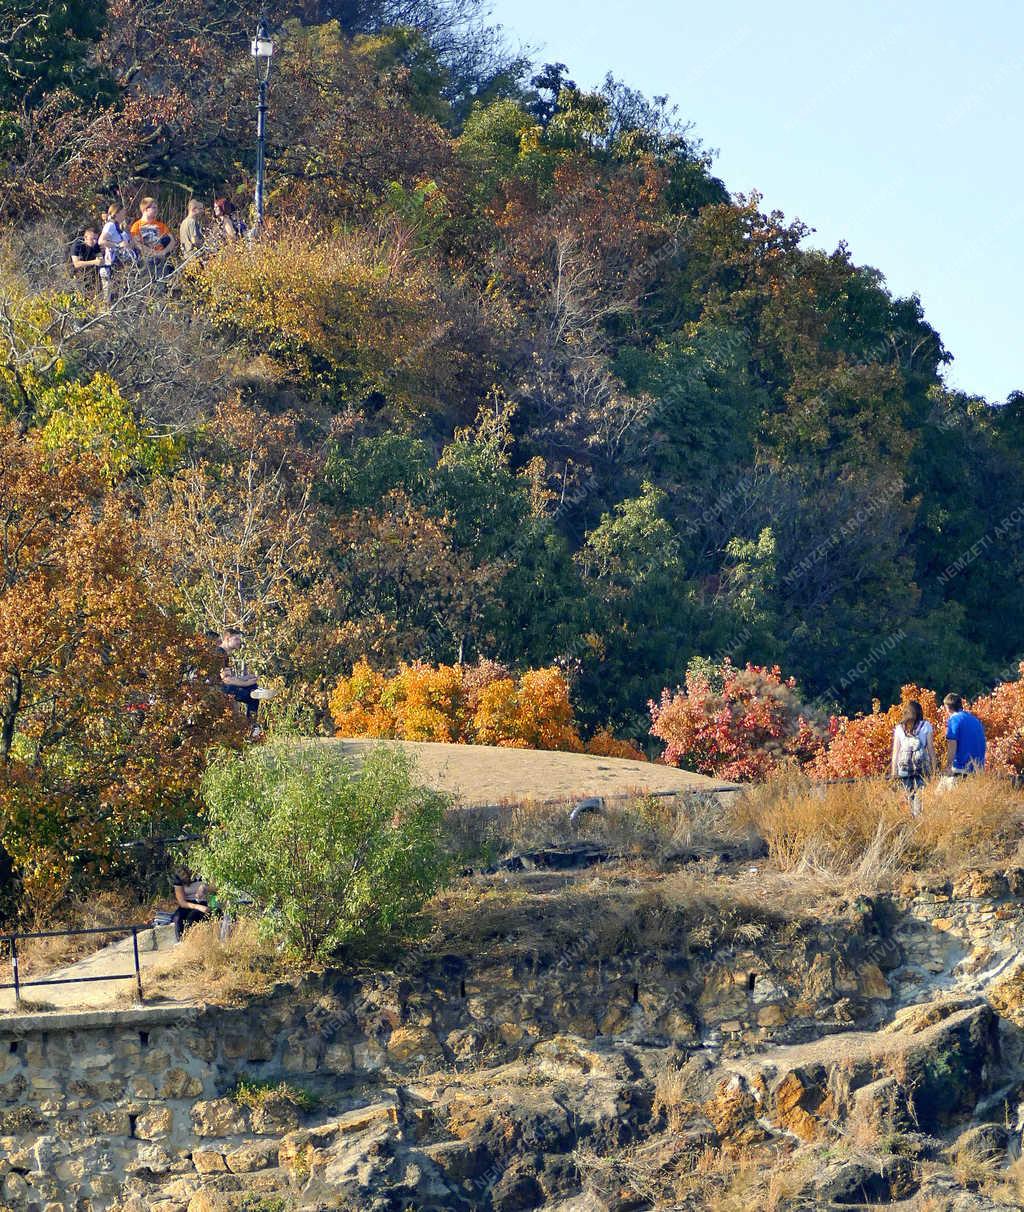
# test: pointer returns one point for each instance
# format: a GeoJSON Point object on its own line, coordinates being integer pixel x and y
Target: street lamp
{"type": "Point", "coordinates": [262, 53]}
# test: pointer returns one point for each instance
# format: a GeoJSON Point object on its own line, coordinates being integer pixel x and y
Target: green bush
{"type": "Point", "coordinates": [328, 851]}
{"type": "Point", "coordinates": [250, 1092]}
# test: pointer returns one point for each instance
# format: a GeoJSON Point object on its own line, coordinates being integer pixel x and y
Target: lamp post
{"type": "Point", "coordinates": [262, 53]}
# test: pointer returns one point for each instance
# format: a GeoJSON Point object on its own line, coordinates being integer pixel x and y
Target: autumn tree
{"type": "Point", "coordinates": [107, 703]}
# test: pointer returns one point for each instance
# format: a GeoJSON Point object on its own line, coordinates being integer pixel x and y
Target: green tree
{"type": "Point", "coordinates": [327, 852]}
{"type": "Point", "coordinates": [45, 48]}
{"type": "Point", "coordinates": [647, 612]}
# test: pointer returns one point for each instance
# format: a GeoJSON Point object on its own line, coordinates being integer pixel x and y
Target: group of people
{"type": "Point", "coordinates": [913, 747]}
{"type": "Point", "coordinates": [105, 250]}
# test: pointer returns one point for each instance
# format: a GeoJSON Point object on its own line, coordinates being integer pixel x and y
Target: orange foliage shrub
{"type": "Point", "coordinates": [1002, 715]}
{"type": "Point", "coordinates": [741, 724]}
{"type": "Point", "coordinates": [356, 704]}
{"type": "Point", "coordinates": [482, 704]}
{"type": "Point", "coordinates": [430, 703]}
{"type": "Point", "coordinates": [496, 717]}
{"type": "Point", "coordinates": [863, 745]}
{"type": "Point", "coordinates": [604, 744]}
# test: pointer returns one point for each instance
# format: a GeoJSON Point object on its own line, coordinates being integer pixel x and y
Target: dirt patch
{"type": "Point", "coordinates": [484, 774]}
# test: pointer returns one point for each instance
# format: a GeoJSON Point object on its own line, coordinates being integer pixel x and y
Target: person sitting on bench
{"type": "Point", "coordinates": [240, 683]}
{"type": "Point", "coordinates": [192, 896]}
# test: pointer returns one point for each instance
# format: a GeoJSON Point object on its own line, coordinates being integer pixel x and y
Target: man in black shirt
{"type": "Point", "coordinates": [87, 257]}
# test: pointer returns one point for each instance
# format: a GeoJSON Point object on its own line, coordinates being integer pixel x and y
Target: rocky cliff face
{"type": "Point", "coordinates": [596, 1044]}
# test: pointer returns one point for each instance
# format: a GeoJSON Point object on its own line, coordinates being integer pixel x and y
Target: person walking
{"type": "Point", "coordinates": [913, 753]}
{"type": "Point", "coordinates": [965, 738]}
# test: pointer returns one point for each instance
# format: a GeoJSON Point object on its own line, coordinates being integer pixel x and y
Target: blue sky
{"type": "Point", "coordinates": [894, 126]}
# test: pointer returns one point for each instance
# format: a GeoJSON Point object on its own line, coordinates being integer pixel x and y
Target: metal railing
{"type": "Point", "coordinates": [18, 984]}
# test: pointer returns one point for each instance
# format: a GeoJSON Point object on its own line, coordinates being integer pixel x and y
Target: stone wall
{"type": "Point", "coordinates": [132, 1110]}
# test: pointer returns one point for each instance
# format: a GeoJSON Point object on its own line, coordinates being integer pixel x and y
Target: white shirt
{"type": "Point", "coordinates": [113, 235]}
{"type": "Point", "coordinates": [902, 742]}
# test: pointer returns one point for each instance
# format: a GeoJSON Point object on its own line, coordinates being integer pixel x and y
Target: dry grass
{"type": "Point", "coordinates": [668, 1176]}
{"type": "Point", "coordinates": [974, 1169]}
{"type": "Point", "coordinates": [863, 835]}
{"type": "Point", "coordinates": [1008, 1185]}
{"type": "Point", "coordinates": [854, 831]}
{"type": "Point", "coordinates": [654, 828]}
{"type": "Point", "coordinates": [978, 819]}
{"type": "Point", "coordinates": [228, 972]}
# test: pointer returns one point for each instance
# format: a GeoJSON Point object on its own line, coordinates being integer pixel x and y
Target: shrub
{"type": "Point", "coordinates": [344, 311]}
{"type": "Point", "coordinates": [482, 704]}
{"type": "Point", "coordinates": [741, 724]}
{"type": "Point", "coordinates": [1002, 714]}
{"type": "Point", "coordinates": [253, 1093]}
{"type": "Point", "coordinates": [863, 745]}
{"type": "Point", "coordinates": [328, 851]}
{"type": "Point", "coordinates": [604, 744]}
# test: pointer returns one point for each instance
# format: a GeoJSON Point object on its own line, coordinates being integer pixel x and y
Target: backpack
{"type": "Point", "coordinates": [911, 759]}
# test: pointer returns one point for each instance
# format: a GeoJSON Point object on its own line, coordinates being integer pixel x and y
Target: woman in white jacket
{"type": "Point", "coordinates": [913, 753]}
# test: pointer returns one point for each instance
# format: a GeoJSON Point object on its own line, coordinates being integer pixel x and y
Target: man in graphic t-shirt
{"type": "Point", "coordinates": [153, 239]}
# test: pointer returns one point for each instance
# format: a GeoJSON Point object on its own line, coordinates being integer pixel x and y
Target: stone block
{"type": "Point", "coordinates": [338, 1058]}
{"type": "Point", "coordinates": [369, 1056]}
{"type": "Point", "coordinates": [872, 984]}
{"type": "Point", "coordinates": [112, 1122]}
{"type": "Point", "coordinates": [179, 1084]}
{"type": "Point", "coordinates": [301, 1054]}
{"type": "Point", "coordinates": [253, 1155]}
{"type": "Point", "coordinates": [208, 1161]}
{"type": "Point", "coordinates": [150, 1159]}
{"type": "Point", "coordinates": [155, 1123]}
{"type": "Point", "coordinates": [219, 1117]}
{"type": "Point", "coordinates": [413, 1044]}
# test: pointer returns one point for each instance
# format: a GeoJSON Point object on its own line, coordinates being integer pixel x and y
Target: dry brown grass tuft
{"type": "Point", "coordinates": [857, 832]}
{"type": "Point", "coordinates": [1008, 1185]}
{"type": "Point", "coordinates": [229, 972]}
{"type": "Point", "coordinates": [862, 834]}
{"type": "Point", "coordinates": [978, 819]}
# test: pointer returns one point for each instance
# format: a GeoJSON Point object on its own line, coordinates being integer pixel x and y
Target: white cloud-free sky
{"type": "Point", "coordinates": [892, 124]}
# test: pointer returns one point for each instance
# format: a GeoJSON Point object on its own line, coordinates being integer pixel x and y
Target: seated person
{"type": "Point", "coordinates": [192, 896]}
{"type": "Point", "coordinates": [240, 683]}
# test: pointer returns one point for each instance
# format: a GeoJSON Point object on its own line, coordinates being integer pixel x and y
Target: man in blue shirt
{"type": "Point", "coordinates": [965, 738]}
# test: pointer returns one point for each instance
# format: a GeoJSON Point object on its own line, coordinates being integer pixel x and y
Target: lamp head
{"type": "Point", "coordinates": [262, 49]}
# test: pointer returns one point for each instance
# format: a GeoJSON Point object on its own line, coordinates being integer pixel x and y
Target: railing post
{"type": "Point", "coordinates": [138, 973]}
{"type": "Point", "coordinates": [14, 966]}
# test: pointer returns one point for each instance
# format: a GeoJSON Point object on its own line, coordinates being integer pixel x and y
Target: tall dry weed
{"type": "Point", "coordinates": [225, 971]}
{"type": "Point", "coordinates": [977, 819]}
{"type": "Point", "coordinates": [863, 833]}
{"type": "Point", "coordinates": [857, 831]}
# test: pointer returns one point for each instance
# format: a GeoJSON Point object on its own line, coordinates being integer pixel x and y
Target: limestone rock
{"type": "Point", "coordinates": [413, 1044]}
{"type": "Point", "coordinates": [219, 1117]}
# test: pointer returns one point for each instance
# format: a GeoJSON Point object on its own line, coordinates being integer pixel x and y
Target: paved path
{"type": "Point", "coordinates": [114, 959]}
